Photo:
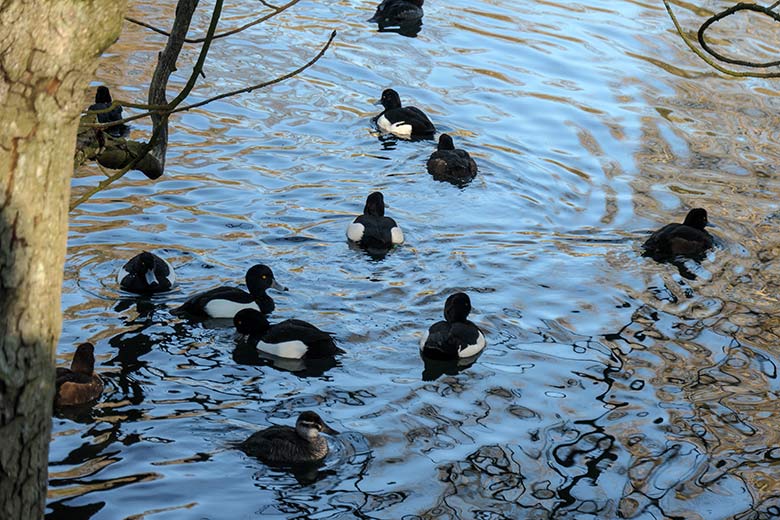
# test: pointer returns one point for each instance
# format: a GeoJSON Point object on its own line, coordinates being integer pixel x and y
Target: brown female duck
{"type": "Point", "coordinates": [78, 384]}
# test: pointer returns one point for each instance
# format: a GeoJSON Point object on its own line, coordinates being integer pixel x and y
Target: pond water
{"type": "Point", "coordinates": [611, 387]}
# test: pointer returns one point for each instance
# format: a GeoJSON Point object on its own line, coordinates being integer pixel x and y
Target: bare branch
{"type": "Point", "coordinates": [767, 11]}
{"type": "Point", "coordinates": [167, 64]}
{"type": "Point", "coordinates": [264, 84]}
{"type": "Point", "coordinates": [260, 20]}
{"type": "Point", "coordinates": [707, 59]}
{"type": "Point", "coordinates": [162, 108]}
{"type": "Point", "coordinates": [148, 26]}
{"type": "Point", "coordinates": [277, 11]}
{"type": "Point", "coordinates": [154, 150]}
{"type": "Point", "coordinates": [204, 51]}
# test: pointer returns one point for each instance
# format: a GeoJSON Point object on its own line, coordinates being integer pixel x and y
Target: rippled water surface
{"type": "Point", "coordinates": [612, 387]}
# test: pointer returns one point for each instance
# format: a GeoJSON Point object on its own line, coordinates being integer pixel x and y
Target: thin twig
{"type": "Point", "coordinates": [264, 84]}
{"type": "Point", "coordinates": [260, 20]}
{"type": "Point", "coordinates": [710, 62]}
{"type": "Point", "coordinates": [110, 180]}
{"type": "Point", "coordinates": [148, 26]}
{"type": "Point", "coordinates": [197, 69]}
{"type": "Point", "coordinates": [767, 11]}
{"type": "Point", "coordinates": [277, 10]}
{"type": "Point", "coordinates": [226, 94]}
{"type": "Point", "coordinates": [204, 50]}
{"type": "Point", "coordinates": [166, 108]}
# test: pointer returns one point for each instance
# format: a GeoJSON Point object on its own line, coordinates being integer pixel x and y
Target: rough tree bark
{"type": "Point", "coordinates": [166, 65]}
{"type": "Point", "coordinates": [48, 54]}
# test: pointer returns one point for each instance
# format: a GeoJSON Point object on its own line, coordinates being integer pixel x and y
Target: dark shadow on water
{"type": "Point", "coordinates": [682, 263]}
{"type": "Point", "coordinates": [409, 29]}
{"type": "Point", "coordinates": [390, 141]}
{"type": "Point", "coordinates": [246, 353]}
{"type": "Point", "coordinates": [375, 254]}
{"type": "Point", "coordinates": [435, 368]}
{"type": "Point", "coordinates": [144, 306]}
{"type": "Point", "coordinates": [62, 511]}
{"type": "Point", "coordinates": [83, 413]}
{"type": "Point", "coordinates": [216, 323]}
{"type": "Point", "coordinates": [458, 183]}
{"type": "Point", "coordinates": [295, 239]}
{"type": "Point", "coordinates": [130, 346]}
{"type": "Point", "coordinates": [305, 474]}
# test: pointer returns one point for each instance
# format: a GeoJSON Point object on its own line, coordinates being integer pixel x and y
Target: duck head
{"type": "Point", "coordinates": [390, 99]}
{"type": "Point", "coordinates": [309, 426]}
{"type": "Point", "coordinates": [375, 205]}
{"type": "Point", "coordinates": [457, 308]}
{"type": "Point", "coordinates": [102, 95]}
{"type": "Point", "coordinates": [146, 261]}
{"type": "Point", "coordinates": [697, 218]}
{"type": "Point", "coordinates": [259, 278]}
{"type": "Point", "coordinates": [84, 359]}
{"type": "Point", "coordinates": [250, 322]}
{"type": "Point", "coordinates": [445, 142]}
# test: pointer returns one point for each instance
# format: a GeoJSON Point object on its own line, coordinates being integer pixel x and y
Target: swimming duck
{"type": "Point", "coordinates": [78, 384]}
{"type": "Point", "coordinates": [292, 339]}
{"type": "Point", "coordinates": [455, 337]}
{"type": "Point", "coordinates": [451, 164]}
{"type": "Point", "coordinates": [146, 273]}
{"type": "Point", "coordinates": [404, 122]}
{"type": "Point", "coordinates": [373, 229]}
{"type": "Point", "coordinates": [688, 239]}
{"type": "Point", "coordinates": [102, 101]}
{"type": "Point", "coordinates": [287, 445]}
{"type": "Point", "coordinates": [225, 302]}
{"type": "Point", "coordinates": [396, 12]}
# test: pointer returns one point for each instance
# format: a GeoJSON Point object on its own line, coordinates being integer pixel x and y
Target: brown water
{"type": "Point", "coordinates": [612, 387]}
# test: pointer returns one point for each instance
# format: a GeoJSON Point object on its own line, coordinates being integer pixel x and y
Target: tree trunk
{"type": "Point", "coordinates": [48, 54]}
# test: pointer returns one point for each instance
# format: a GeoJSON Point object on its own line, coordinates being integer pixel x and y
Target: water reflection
{"type": "Point", "coordinates": [144, 307]}
{"type": "Point", "coordinates": [62, 511]}
{"type": "Point", "coordinates": [613, 386]}
{"type": "Point", "coordinates": [374, 254]}
{"type": "Point", "coordinates": [409, 29]}
{"type": "Point", "coordinates": [435, 368]}
{"type": "Point", "coordinates": [246, 353]}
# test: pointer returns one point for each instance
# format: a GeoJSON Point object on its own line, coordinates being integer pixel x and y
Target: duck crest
{"type": "Point", "coordinates": [445, 142]}
{"type": "Point", "coordinates": [84, 359]}
{"type": "Point", "coordinates": [457, 308]}
{"type": "Point", "coordinates": [696, 218]}
{"type": "Point", "coordinates": [390, 99]}
{"type": "Point", "coordinates": [103, 95]}
{"type": "Point", "coordinates": [251, 322]}
{"type": "Point", "coordinates": [375, 205]}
